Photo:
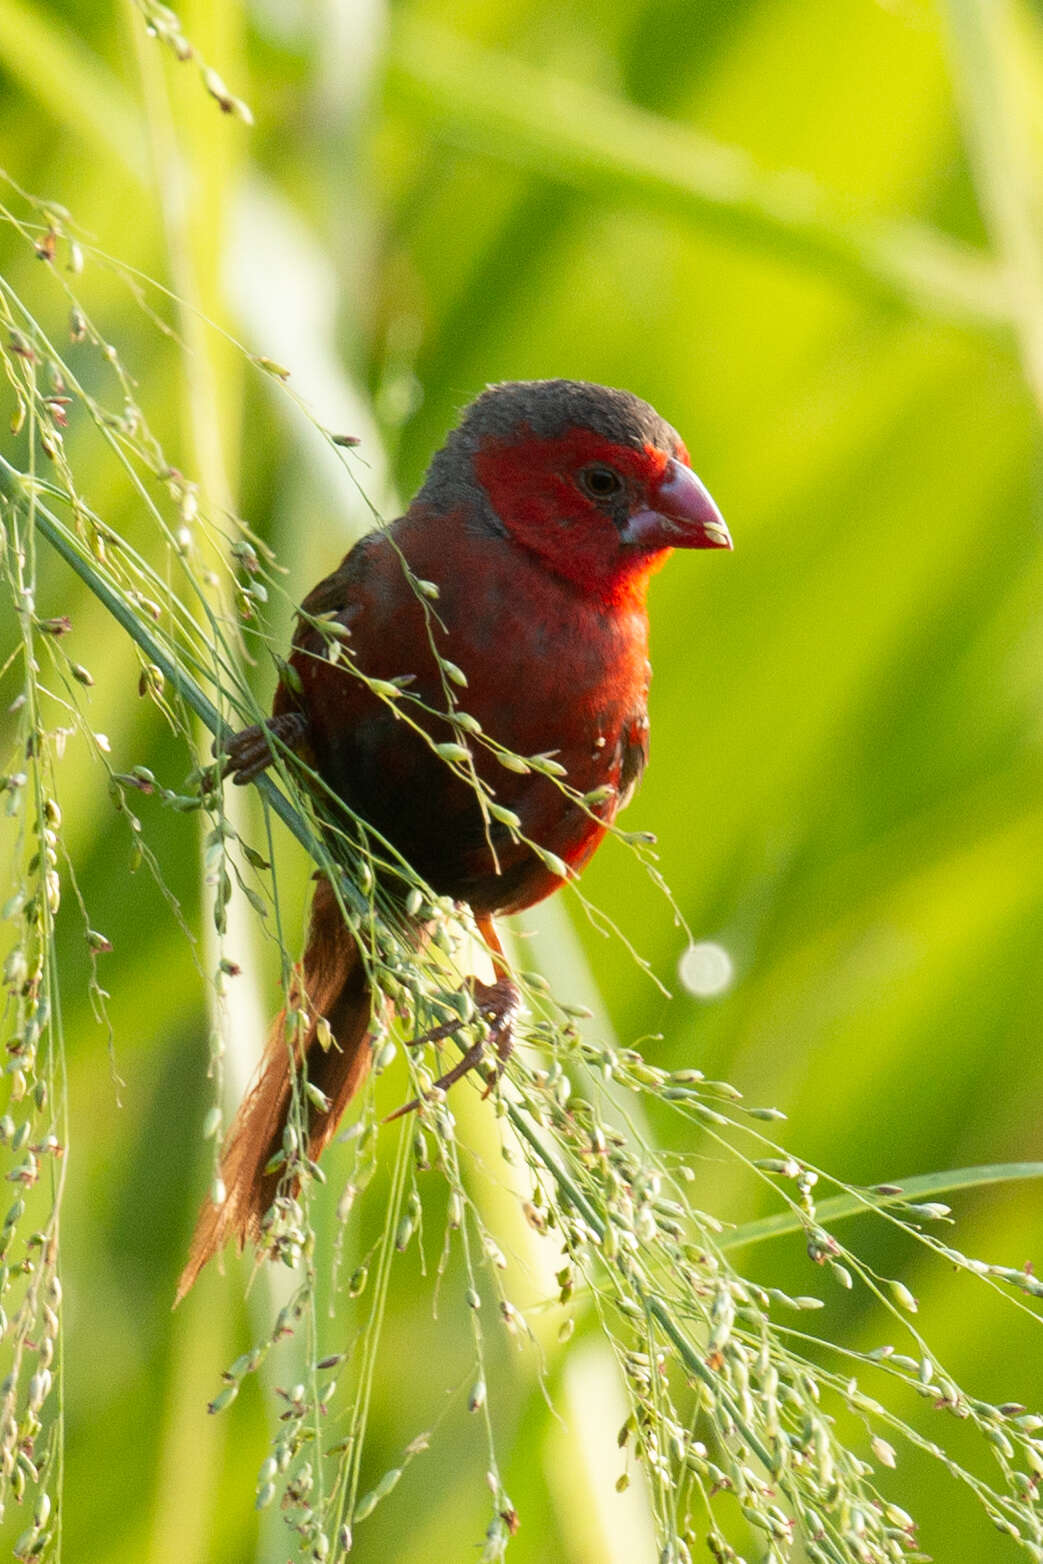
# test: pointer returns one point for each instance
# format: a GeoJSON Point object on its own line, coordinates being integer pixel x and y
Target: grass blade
{"type": "Point", "coordinates": [854, 1203]}
{"type": "Point", "coordinates": [608, 149]}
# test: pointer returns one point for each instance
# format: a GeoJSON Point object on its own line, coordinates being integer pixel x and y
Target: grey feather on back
{"type": "Point", "coordinates": [517, 409]}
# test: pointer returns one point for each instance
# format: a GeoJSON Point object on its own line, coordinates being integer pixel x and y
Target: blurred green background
{"type": "Point", "coordinates": [811, 233]}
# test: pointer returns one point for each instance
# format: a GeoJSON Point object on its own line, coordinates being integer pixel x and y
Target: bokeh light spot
{"type": "Point", "coordinates": [706, 969]}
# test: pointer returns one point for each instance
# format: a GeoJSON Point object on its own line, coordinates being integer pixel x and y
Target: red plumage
{"type": "Point", "coordinates": [540, 523]}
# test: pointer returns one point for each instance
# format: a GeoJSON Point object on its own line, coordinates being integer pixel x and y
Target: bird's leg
{"type": "Point", "coordinates": [248, 753]}
{"type": "Point", "coordinates": [498, 1004]}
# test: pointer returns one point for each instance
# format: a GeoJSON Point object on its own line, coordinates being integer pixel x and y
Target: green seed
{"type": "Point", "coordinates": [387, 1482]}
{"type": "Point", "coordinates": [455, 754]}
{"type": "Point", "coordinates": [366, 1505]}
{"type": "Point", "coordinates": [883, 1451]}
{"type": "Point", "coordinates": [903, 1297]}
{"type": "Point", "coordinates": [317, 1098]}
{"type": "Point", "coordinates": [514, 763]}
{"type": "Point", "coordinates": [556, 865]}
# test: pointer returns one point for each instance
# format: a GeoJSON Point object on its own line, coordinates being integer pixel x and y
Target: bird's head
{"type": "Point", "coordinates": [590, 479]}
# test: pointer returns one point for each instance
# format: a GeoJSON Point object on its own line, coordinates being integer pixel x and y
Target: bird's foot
{"type": "Point", "coordinates": [498, 1005]}
{"type": "Point", "coordinates": [248, 753]}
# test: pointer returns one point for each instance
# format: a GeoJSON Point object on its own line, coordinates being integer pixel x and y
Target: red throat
{"type": "Point", "coordinates": [529, 486]}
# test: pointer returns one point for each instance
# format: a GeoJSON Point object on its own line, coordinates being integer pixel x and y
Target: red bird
{"type": "Point", "coordinates": [539, 522]}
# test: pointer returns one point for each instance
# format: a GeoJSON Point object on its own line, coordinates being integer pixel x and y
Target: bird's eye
{"type": "Point", "coordinates": [601, 483]}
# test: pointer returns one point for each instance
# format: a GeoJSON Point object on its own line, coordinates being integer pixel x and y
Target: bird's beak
{"type": "Point", "coordinates": [681, 514]}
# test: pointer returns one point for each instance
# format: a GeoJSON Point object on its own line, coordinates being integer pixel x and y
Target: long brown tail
{"type": "Point", "coordinates": [335, 987]}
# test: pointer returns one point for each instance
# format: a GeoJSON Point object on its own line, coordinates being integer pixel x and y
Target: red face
{"type": "Point", "coordinates": [603, 515]}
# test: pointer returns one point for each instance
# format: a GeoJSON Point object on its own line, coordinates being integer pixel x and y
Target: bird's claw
{"type": "Point", "coordinates": [247, 753]}
{"type": "Point", "coordinates": [498, 1004]}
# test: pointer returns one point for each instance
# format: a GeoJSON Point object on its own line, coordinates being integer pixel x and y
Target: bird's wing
{"type": "Point", "coordinates": [338, 594]}
{"type": "Point", "coordinates": [333, 594]}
